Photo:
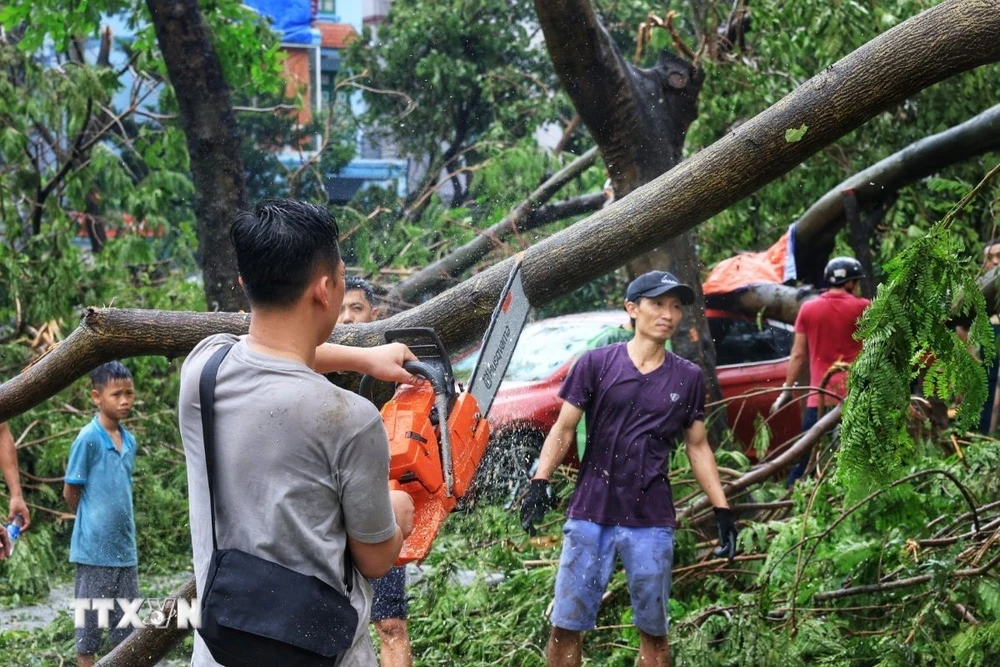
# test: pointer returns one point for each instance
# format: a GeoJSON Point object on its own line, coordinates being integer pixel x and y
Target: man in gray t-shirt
{"type": "Point", "coordinates": [301, 465]}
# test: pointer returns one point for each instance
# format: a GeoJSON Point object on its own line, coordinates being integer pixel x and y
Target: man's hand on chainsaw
{"type": "Point", "coordinates": [382, 362]}
{"type": "Point", "coordinates": [385, 362]}
{"type": "Point", "coordinates": [402, 507]}
{"type": "Point", "coordinates": [539, 500]}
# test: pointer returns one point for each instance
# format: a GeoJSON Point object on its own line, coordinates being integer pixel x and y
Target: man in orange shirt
{"type": "Point", "coordinates": [824, 334]}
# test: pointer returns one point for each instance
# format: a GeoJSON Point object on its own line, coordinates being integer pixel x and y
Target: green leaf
{"type": "Point", "coordinates": [795, 135]}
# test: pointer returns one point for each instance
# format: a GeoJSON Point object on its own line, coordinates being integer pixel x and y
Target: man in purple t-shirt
{"type": "Point", "coordinates": [639, 399]}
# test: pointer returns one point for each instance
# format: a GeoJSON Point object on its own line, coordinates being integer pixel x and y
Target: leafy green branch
{"type": "Point", "coordinates": [906, 336]}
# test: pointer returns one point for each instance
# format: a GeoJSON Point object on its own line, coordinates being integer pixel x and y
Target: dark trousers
{"type": "Point", "coordinates": [809, 419]}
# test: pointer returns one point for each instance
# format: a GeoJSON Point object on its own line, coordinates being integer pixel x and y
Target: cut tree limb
{"type": "Point", "coordinates": [762, 472]}
{"type": "Point", "coordinates": [432, 277]}
{"type": "Point", "coordinates": [774, 301]}
{"type": "Point", "coordinates": [107, 334]}
{"type": "Point", "coordinates": [145, 647]}
{"type": "Point", "coordinates": [955, 36]}
{"type": "Point", "coordinates": [989, 282]}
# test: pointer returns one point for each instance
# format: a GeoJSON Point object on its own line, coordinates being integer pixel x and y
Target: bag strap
{"type": "Point", "coordinates": [206, 394]}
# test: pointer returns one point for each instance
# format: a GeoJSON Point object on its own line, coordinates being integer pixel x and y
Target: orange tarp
{"type": "Point", "coordinates": [770, 266]}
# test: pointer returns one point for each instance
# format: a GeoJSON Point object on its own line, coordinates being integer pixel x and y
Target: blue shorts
{"type": "Point", "coordinates": [390, 595]}
{"type": "Point", "coordinates": [94, 581]}
{"type": "Point", "coordinates": [588, 558]}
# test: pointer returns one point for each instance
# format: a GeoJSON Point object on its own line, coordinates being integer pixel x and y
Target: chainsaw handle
{"type": "Point", "coordinates": [433, 374]}
{"type": "Point", "coordinates": [430, 372]}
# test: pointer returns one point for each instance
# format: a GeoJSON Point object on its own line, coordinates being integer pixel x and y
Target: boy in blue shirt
{"type": "Point", "coordinates": [98, 487]}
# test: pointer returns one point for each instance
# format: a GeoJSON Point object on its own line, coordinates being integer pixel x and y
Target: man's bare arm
{"type": "Point", "coordinates": [72, 494]}
{"type": "Point", "coordinates": [375, 560]}
{"type": "Point", "coordinates": [11, 475]}
{"type": "Point", "coordinates": [559, 440]}
{"type": "Point", "coordinates": [383, 362]}
{"type": "Point", "coordinates": [703, 464]}
{"type": "Point", "coordinates": [798, 361]}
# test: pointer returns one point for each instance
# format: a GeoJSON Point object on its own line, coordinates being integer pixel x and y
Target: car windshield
{"type": "Point", "coordinates": [543, 347]}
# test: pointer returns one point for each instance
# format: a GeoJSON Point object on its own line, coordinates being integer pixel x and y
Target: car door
{"type": "Point", "coordinates": [752, 355]}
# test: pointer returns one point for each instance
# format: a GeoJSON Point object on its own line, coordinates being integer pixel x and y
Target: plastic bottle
{"type": "Point", "coordinates": [14, 530]}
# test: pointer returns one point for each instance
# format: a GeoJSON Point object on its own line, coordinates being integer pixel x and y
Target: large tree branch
{"type": "Point", "coordinates": [108, 334]}
{"type": "Point", "coordinates": [434, 275]}
{"type": "Point", "coordinates": [587, 62]}
{"type": "Point", "coordinates": [816, 228]}
{"type": "Point", "coordinates": [956, 35]}
{"type": "Point", "coordinates": [776, 302]}
{"type": "Point", "coordinates": [561, 210]}
{"type": "Point", "coordinates": [466, 256]}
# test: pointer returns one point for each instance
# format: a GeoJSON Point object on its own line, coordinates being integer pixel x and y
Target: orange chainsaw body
{"type": "Point", "coordinates": [415, 464]}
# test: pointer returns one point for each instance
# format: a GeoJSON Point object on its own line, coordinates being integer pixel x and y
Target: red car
{"type": "Point", "coordinates": [750, 357]}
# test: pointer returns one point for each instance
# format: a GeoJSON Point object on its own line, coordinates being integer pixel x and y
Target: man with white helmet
{"type": "Point", "coordinates": [824, 335]}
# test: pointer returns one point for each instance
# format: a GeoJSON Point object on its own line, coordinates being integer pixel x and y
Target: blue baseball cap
{"type": "Point", "coordinates": [656, 283]}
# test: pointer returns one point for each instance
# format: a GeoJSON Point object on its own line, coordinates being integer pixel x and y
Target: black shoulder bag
{"type": "Point", "coordinates": [255, 612]}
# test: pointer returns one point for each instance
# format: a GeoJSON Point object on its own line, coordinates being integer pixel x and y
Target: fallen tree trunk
{"type": "Point", "coordinates": [773, 301]}
{"type": "Point", "coordinates": [107, 334]}
{"type": "Point", "coordinates": [145, 647]}
{"type": "Point", "coordinates": [955, 36]}
{"type": "Point", "coordinates": [818, 226]}
{"type": "Point", "coordinates": [434, 276]}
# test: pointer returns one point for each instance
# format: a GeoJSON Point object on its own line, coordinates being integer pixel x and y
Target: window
{"type": "Point", "coordinates": [742, 341]}
{"type": "Point", "coordinates": [542, 348]}
{"type": "Point", "coordinates": [327, 6]}
{"type": "Point", "coordinates": [327, 82]}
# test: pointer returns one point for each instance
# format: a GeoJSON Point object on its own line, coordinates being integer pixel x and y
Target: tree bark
{"type": "Point", "coordinates": [859, 232]}
{"type": "Point", "coordinates": [639, 118]}
{"type": "Point", "coordinates": [432, 277]}
{"type": "Point", "coordinates": [956, 35]}
{"type": "Point", "coordinates": [776, 302]}
{"type": "Point", "coordinates": [213, 142]}
{"type": "Point", "coordinates": [145, 647]}
{"type": "Point", "coordinates": [816, 229]}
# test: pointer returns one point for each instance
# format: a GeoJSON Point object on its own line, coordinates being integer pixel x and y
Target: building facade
{"type": "Point", "coordinates": [314, 34]}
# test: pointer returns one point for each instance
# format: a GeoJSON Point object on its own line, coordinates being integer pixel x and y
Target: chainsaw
{"type": "Point", "coordinates": [438, 431]}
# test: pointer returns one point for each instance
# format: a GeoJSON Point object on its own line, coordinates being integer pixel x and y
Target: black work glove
{"type": "Point", "coordinates": [539, 500]}
{"type": "Point", "coordinates": [727, 533]}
